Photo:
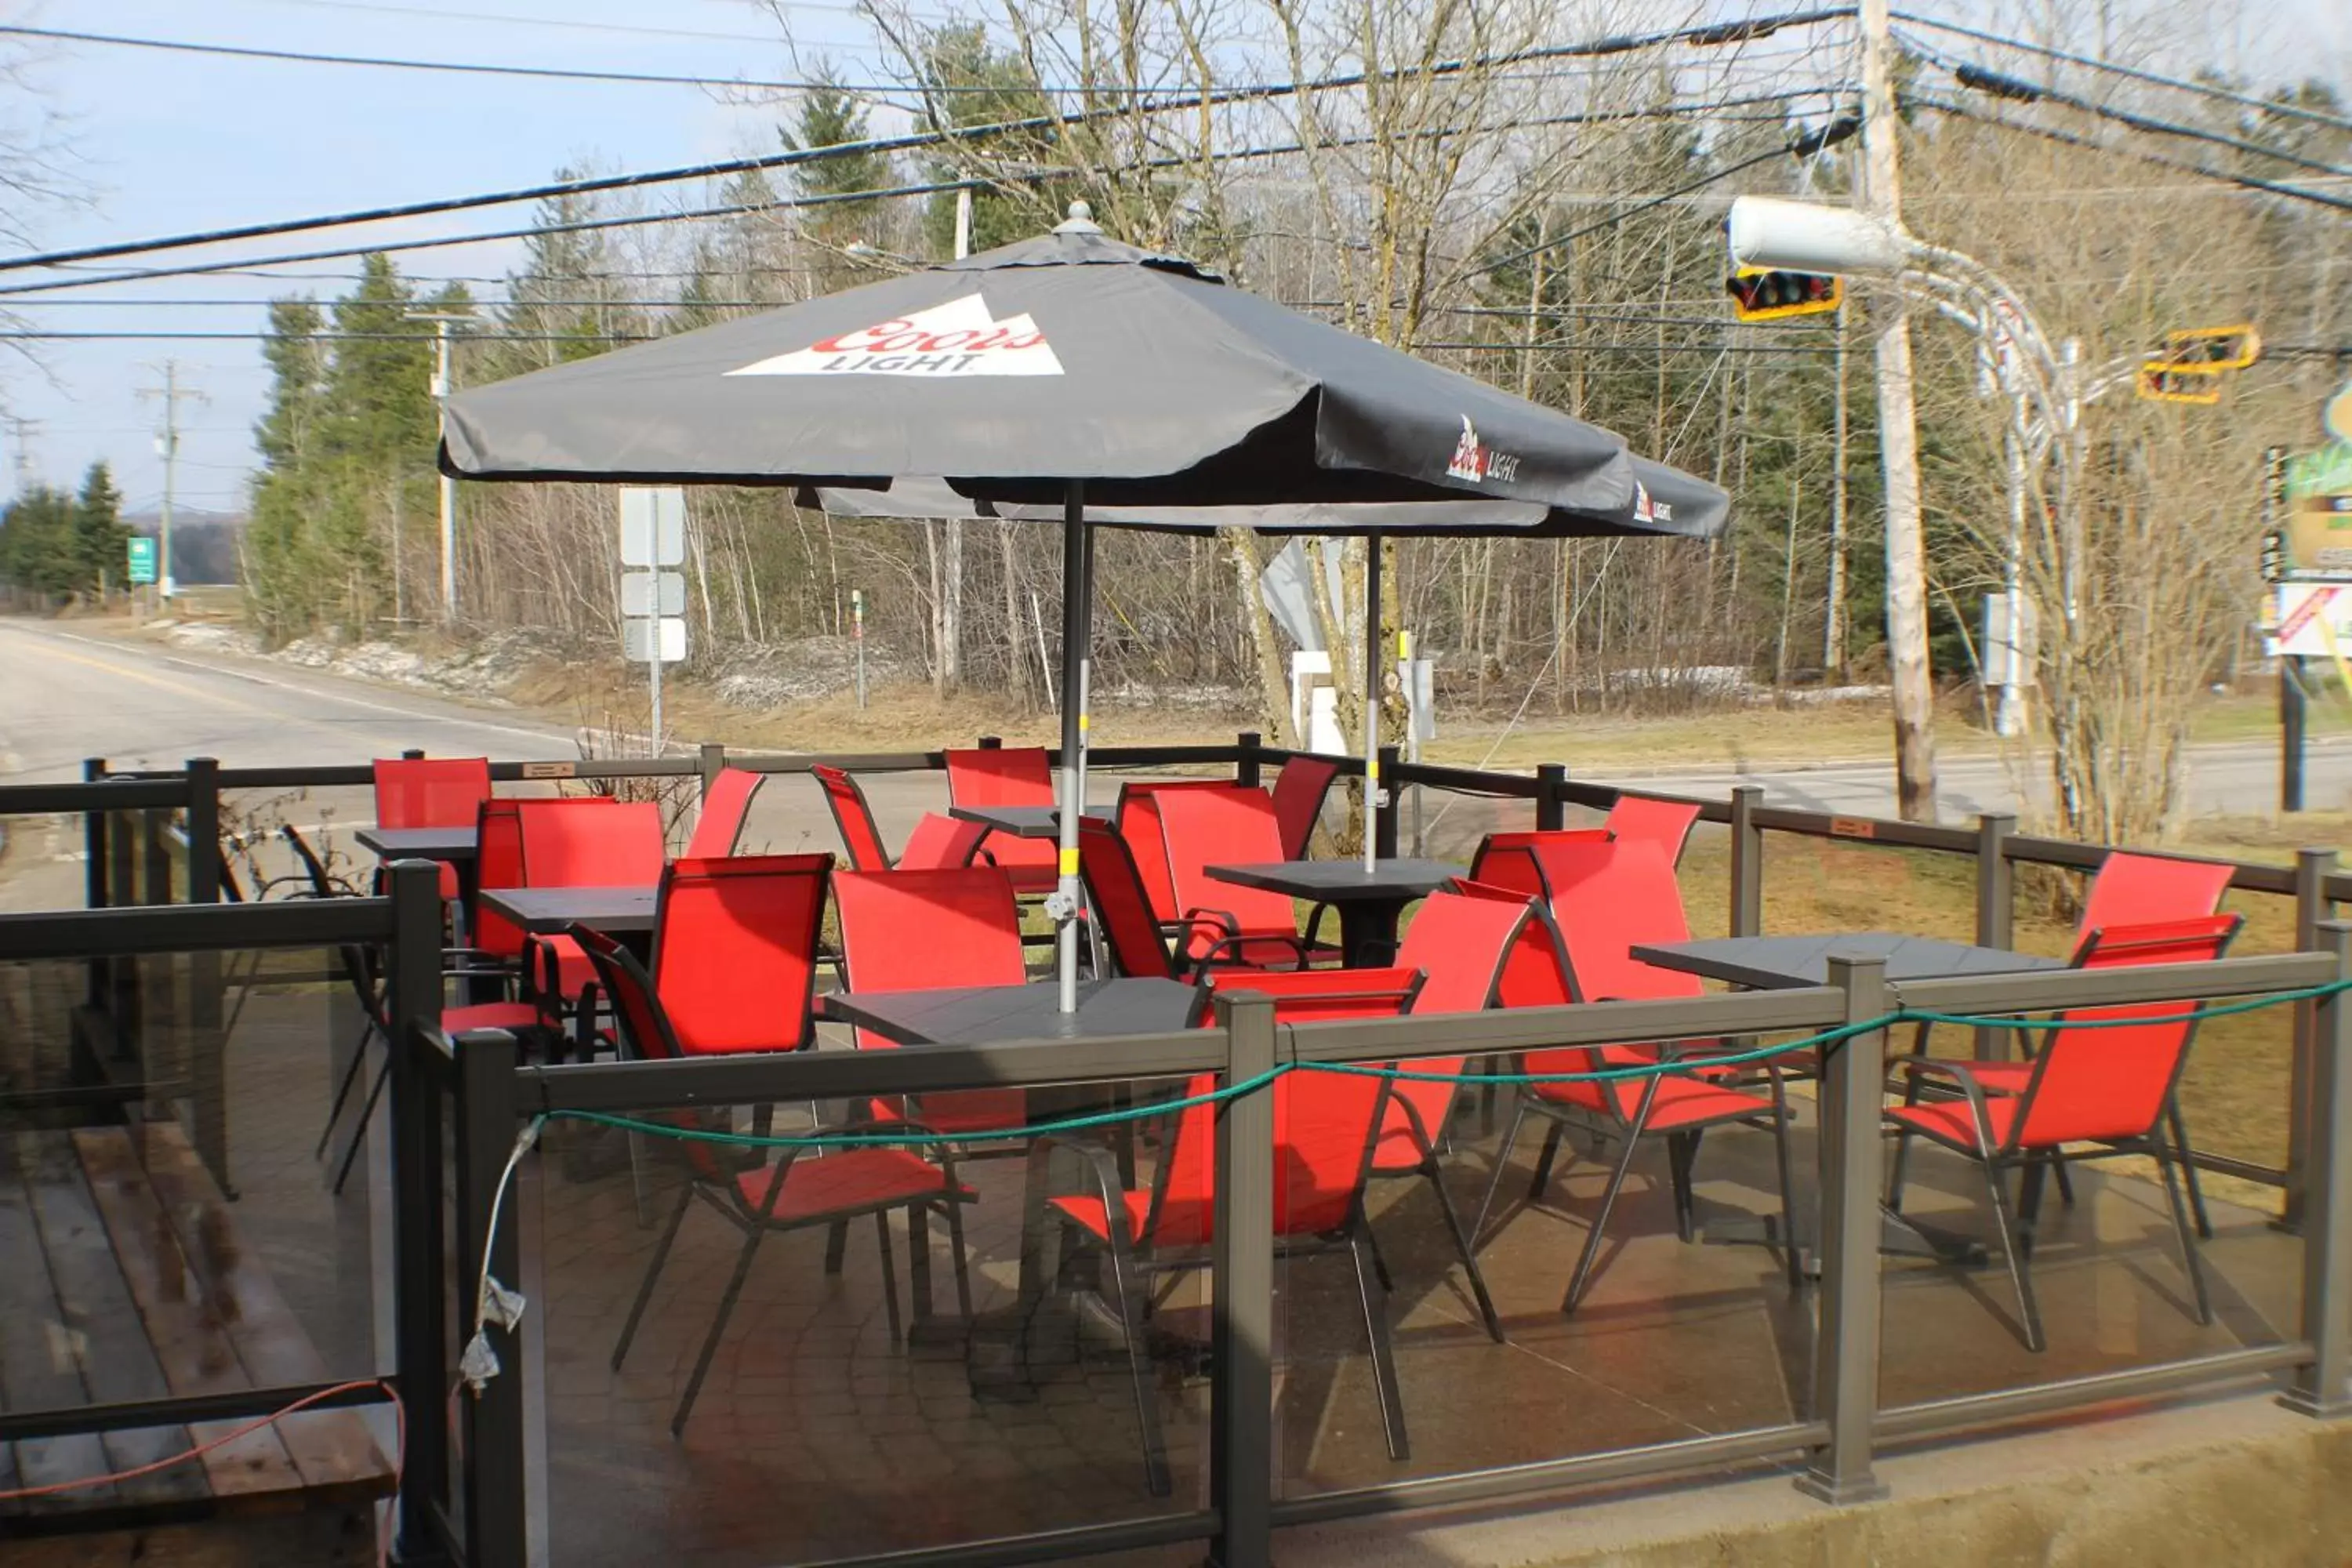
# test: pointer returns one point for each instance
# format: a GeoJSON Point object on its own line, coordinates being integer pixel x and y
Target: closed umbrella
{"type": "Point", "coordinates": [1067, 372]}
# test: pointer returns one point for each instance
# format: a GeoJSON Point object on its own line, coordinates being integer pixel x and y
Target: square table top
{"type": "Point", "coordinates": [985, 1014]}
{"type": "Point", "coordinates": [455, 842]}
{"type": "Point", "coordinates": [617, 909]}
{"type": "Point", "coordinates": [1778, 962]}
{"type": "Point", "coordinates": [1023, 821]}
{"type": "Point", "coordinates": [1338, 881]}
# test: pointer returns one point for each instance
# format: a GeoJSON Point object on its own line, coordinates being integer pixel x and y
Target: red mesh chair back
{"type": "Point", "coordinates": [1510, 860]}
{"type": "Point", "coordinates": [939, 844]}
{"type": "Point", "coordinates": [1000, 775]}
{"type": "Point", "coordinates": [720, 825]}
{"type": "Point", "coordinates": [619, 844]}
{"type": "Point", "coordinates": [2135, 889]}
{"type": "Point", "coordinates": [1466, 943]}
{"type": "Point", "coordinates": [920, 930]}
{"type": "Point", "coordinates": [1139, 822]}
{"type": "Point", "coordinates": [1534, 974]}
{"type": "Point", "coordinates": [2111, 1082]}
{"type": "Point", "coordinates": [430, 792]}
{"type": "Point", "coordinates": [498, 863]}
{"type": "Point", "coordinates": [644, 1030]}
{"type": "Point", "coordinates": [1299, 786]}
{"type": "Point", "coordinates": [1607, 898]}
{"type": "Point", "coordinates": [735, 941]}
{"type": "Point", "coordinates": [854, 817]}
{"type": "Point", "coordinates": [1225, 827]}
{"type": "Point", "coordinates": [1122, 909]}
{"type": "Point", "coordinates": [1664, 823]}
{"type": "Point", "coordinates": [1323, 1122]}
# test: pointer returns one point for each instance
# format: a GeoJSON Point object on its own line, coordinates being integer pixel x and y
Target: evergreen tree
{"type": "Point", "coordinates": [36, 543]}
{"type": "Point", "coordinates": [101, 541]}
{"type": "Point", "coordinates": [830, 117]}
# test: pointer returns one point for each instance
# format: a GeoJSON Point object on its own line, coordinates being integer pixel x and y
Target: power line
{"type": "Point", "coordinates": [2209, 90]}
{"type": "Point", "coordinates": [507, 20]}
{"type": "Point", "coordinates": [1622, 214]}
{"type": "Point", "coordinates": [2068, 138]}
{"type": "Point", "coordinates": [916, 140]}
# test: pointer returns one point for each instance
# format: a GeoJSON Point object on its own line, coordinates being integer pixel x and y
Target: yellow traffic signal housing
{"type": "Point", "coordinates": [2160, 381]}
{"type": "Point", "coordinates": [1761, 294]}
{"type": "Point", "coordinates": [2213, 348]}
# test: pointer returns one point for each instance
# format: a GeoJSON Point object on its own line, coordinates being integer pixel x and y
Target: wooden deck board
{"type": "Point", "coordinates": [331, 1448]}
{"type": "Point", "coordinates": [32, 1375]}
{"type": "Point", "coordinates": [189, 1347]}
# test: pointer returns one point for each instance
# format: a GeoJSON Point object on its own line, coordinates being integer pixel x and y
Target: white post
{"type": "Point", "coordinates": [448, 485]}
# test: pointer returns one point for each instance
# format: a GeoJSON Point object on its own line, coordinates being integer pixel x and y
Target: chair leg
{"type": "Point", "coordinates": [343, 1091]}
{"type": "Point", "coordinates": [1375, 1297]}
{"type": "Point", "coordinates": [889, 1278]}
{"type": "Point", "coordinates": [1681, 1150]}
{"type": "Point", "coordinates": [718, 1327]}
{"type": "Point", "coordinates": [1898, 1167]}
{"type": "Point", "coordinates": [1138, 1362]}
{"type": "Point", "coordinates": [1462, 1249]}
{"type": "Point", "coordinates": [652, 1272]}
{"type": "Point", "coordinates": [2180, 1223]}
{"type": "Point", "coordinates": [1379, 1263]}
{"type": "Point", "coordinates": [2030, 1314]}
{"type": "Point", "coordinates": [1543, 1162]}
{"type": "Point", "coordinates": [836, 1246]}
{"type": "Point", "coordinates": [2028, 1203]}
{"type": "Point", "coordinates": [358, 1128]}
{"type": "Point", "coordinates": [2066, 1184]}
{"type": "Point", "coordinates": [963, 1269]}
{"type": "Point", "coordinates": [1502, 1163]}
{"type": "Point", "coordinates": [1782, 1124]}
{"type": "Point", "coordinates": [1632, 1134]}
{"type": "Point", "coordinates": [2178, 1129]}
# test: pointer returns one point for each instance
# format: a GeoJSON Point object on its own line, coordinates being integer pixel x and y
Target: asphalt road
{"type": "Point", "coordinates": [65, 695]}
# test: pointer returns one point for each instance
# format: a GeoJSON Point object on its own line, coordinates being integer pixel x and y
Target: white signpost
{"type": "Point", "coordinates": [653, 597]}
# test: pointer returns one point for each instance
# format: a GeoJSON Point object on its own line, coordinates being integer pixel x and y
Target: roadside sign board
{"type": "Point", "coordinates": [142, 561]}
{"type": "Point", "coordinates": [2311, 615]}
{"type": "Point", "coordinates": [653, 593]}
{"type": "Point", "coordinates": [645, 638]}
{"type": "Point", "coordinates": [653, 526]}
{"type": "Point", "coordinates": [2320, 515]}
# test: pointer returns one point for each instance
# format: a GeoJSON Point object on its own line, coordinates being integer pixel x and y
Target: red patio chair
{"type": "Point", "coordinates": [942, 844]}
{"type": "Point", "coordinates": [1510, 860]}
{"type": "Point", "coordinates": [620, 844]}
{"type": "Point", "coordinates": [1222, 922]}
{"type": "Point", "coordinates": [1123, 920]}
{"type": "Point", "coordinates": [1324, 1128]}
{"type": "Point", "coordinates": [2109, 1086]}
{"type": "Point", "coordinates": [860, 833]}
{"type": "Point", "coordinates": [756, 1198]}
{"type": "Point", "coordinates": [431, 792]}
{"type": "Point", "coordinates": [924, 930]}
{"type": "Point", "coordinates": [1008, 775]}
{"type": "Point", "coordinates": [1300, 785]}
{"type": "Point", "coordinates": [498, 944]}
{"type": "Point", "coordinates": [1665, 822]}
{"type": "Point", "coordinates": [1607, 897]}
{"type": "Point", "coordinates": [1137, 818]}
{"type": "Point", "coordinates": [720, 825]}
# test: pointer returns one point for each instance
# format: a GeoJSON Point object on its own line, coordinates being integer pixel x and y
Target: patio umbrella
{"type": "Point", "coordinates": [1067, 371]}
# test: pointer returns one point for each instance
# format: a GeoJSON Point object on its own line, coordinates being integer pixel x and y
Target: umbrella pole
{"type": "Point", "coordinates": [1372, 651]}
{"type": "Point", "coordinates": [1077, 601]}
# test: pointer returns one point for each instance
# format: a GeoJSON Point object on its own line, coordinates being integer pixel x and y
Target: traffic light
{"type": "Point", "coordinates": [2214, 348]}
{"type": "Point", "coordinates": [1762, 294]}
{"type": "Point", "coordinates": [2161, 381]}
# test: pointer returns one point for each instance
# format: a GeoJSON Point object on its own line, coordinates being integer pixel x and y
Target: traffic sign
{"type": "Point", "coordinates": [645, 638]}
{"type": "Point", "coordinates": [653, 593]}
{"type": "Point", "coordinates": [653, 526]}
{"type": "Point", "coordinates": [142, 560]}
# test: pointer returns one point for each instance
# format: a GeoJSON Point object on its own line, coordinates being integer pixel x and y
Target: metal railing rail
{"type": "Point", "coordinates": [1843, 1426]}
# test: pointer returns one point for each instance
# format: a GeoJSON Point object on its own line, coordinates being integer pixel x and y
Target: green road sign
{"type": "Point", "coordinates": [142, 561]}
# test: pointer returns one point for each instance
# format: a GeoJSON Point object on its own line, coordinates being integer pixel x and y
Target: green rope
{"type": "Point", "coordinates": [1661, 1068]}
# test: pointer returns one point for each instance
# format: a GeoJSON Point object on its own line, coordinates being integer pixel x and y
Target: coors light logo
{"type": "Point", "coordinates": [1477, 462]}
{"type": "Point", "coordinates": [959, 338]}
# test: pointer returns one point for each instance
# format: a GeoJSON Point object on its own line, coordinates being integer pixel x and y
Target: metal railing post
{"type": "Point", "coordinates": [1996, 911]}
{"type": "Point", "coordinates": [1247, 764]}
{"type": "Point", "coordinates": [420, 1317]}
{"type": "Point", "coordinates": [711, 762]}
{"type": "Point", "coordinates": [1383, 803]}
{"type": "Point", "coordinates": [1846, 1358]}
{"type": "Point", "coordinates": [992, 742]}
{"type": "Point", "coordinates": [1551, 797]}
{"type": "Point", "coordinates": [203, 830]}
{"type": "Point", "coordinates": [1746, 862]}
{"type": "Point", "coordinates": [93, 875]}
{"type": "Point", "coordinates": [2319, 1384]}
{"type": "Point", "coordinates": [1241, 1394]}
{"type": "Point", "coordinates": [2312, 906]}
{"type": "Point", "coordinates": [497, 1519]}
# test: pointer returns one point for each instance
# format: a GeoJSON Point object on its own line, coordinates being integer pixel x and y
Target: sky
{"type": "Point", "coordinates": [166, 143]}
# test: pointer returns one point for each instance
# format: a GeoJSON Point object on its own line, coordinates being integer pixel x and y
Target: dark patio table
{"type": "Point", "coordinates": [456, 844]}
{"type": "Point", "coordinates": [1023, 821]}
{"type": "Point", "coordinates": [623, 912]}
{"type": "Point", "coordinates": [1782, 962]}
{"type": "Point", "coordinates": [1370, 899]}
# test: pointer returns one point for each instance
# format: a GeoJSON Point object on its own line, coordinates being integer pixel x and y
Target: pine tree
{"type": "Point", "coordinates": [100, 540]}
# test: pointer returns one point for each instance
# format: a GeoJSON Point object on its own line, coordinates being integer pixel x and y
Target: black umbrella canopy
{"type": "Point", "coordinates": [1067, 357]}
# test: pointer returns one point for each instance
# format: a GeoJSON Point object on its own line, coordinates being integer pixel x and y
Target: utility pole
{"type": "Point", "coordinates": [952, 537]}
{"type": "Point", "coordinates": [167, 444]}
{"type": "Point", "coordinates": [1899, 441]}
{"type": "Point", "coordinates": [21, 433]}
{"type": "Point", "coordinates": [442, 321]}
